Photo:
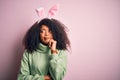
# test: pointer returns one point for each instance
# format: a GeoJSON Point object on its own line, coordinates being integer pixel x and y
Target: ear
{"type": "Point", "coordinates": [41, 12]}
{"type": "Point", "coordinates": [53, 10]}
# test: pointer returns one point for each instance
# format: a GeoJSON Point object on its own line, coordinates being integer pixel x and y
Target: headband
{"type": "Point", "coordinates": [52, 11]}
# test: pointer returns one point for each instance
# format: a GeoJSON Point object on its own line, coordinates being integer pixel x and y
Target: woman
{"type": "Point", "coordinates": [45, 56]}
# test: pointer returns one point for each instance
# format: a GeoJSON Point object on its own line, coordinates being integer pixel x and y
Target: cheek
{"type": "Point", "coordinates": [41, 36]}
{"type": "Point", "coordinates": [51, 36]}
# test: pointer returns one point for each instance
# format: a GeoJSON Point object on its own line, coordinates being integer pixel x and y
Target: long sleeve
{"type": "Point", "coordinates": [24, 72]}
{"type": "Point", "coordinates": [58, 64]}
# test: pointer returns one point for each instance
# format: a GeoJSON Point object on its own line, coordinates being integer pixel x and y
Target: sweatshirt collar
{"type": "Point", "coordinates": [43, 48]}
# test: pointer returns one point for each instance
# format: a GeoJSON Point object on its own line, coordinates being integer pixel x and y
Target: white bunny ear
{"type": "Point", "coordinates": [41, 12]}
{"type": "Point", "coordinates": [53, 11]}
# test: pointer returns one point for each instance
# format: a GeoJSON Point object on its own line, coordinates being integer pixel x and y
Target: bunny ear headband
{"type": "Point", "coordinates": [52, 11]}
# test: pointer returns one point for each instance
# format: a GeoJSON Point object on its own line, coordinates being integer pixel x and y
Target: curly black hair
{"type": "Point", "coordinates": [32, 38]}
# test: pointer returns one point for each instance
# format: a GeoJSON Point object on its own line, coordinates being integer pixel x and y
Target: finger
{"type": "Point", "coordinates": [50, 43]}
{"type": "Point", "coordinates": [48, 77]}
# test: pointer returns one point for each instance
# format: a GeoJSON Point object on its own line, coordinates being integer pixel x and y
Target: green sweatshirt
{"type": "Point", "coordinates": [34, 66]}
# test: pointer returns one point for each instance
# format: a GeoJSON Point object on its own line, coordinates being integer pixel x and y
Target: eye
{"type": "Point", "coordinates": [42, 31]}
{"type": "Point", "coordinates": [50, 31]}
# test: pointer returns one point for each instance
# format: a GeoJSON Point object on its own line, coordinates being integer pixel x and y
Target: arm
{"type": "Point", "coordinates": [58, 64]}
{"type": "Point", "coordinates": [24, 73]}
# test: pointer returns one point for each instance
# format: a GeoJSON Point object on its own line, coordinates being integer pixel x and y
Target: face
{"type": "Point", "coordinates": [45, 34]}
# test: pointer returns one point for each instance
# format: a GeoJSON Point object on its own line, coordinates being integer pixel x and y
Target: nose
{"type": "Point", "coordinates": [47, 33]}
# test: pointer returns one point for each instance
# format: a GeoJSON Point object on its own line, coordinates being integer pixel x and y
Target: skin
{"type": "Point", "coordinates": [46, 37]}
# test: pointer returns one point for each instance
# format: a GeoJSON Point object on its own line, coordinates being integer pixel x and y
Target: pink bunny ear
{"type": "Point", "coordinates": [53, 10]}
{"type": "Point", "coordinates": [41, 12]}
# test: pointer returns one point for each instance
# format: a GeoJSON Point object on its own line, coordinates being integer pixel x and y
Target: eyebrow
{"type": "Point", "coordinates": [42, 29]}
{"type": "Point", "coordinates": [45, 29]}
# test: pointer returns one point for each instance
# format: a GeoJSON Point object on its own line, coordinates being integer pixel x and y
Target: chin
{"type": "Point", "coordinates": [45, 42]}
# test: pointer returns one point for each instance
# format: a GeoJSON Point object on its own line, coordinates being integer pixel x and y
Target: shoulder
{"type": "Point", "coordinates": [26, 53]}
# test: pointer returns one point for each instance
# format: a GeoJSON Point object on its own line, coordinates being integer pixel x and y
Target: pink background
{"type": "Point", "coordinates": [94, 33]}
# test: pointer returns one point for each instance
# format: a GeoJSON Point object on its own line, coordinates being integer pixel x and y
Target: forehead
{"type": "Point", "coordinates": [44, 27]}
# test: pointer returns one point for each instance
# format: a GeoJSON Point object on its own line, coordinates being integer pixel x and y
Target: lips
{"type": "Point", "coordinates": [46, 38]}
